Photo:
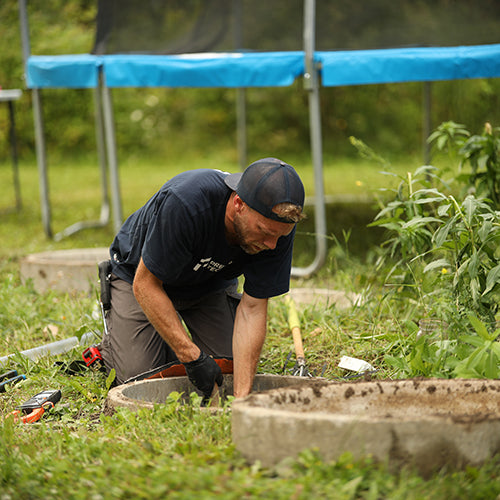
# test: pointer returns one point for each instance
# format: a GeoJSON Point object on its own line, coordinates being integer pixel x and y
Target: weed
{"type": "Point", "coordinates": [456, 242]}
{"type": "Point", "coordinates": [481, 152]}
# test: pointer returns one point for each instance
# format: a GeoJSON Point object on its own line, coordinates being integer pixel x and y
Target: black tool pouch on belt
{"type": "Point", "coordinates": [104, 279]}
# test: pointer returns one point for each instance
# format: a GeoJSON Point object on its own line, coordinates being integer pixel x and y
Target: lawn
{"type": "Point", "coordinates": [79, 181]}
{"type": "Point", "coordinates": [79, 452]}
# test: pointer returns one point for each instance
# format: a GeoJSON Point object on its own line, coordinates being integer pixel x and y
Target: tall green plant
{"type": "Point", "coordinates": [467, 242]}
{"type": "Point", "coordinates": [480, 152]}
{"type": "Point", "coordinates": [458, 239]}
{"type": "Point", "coordinates": [432, 233]}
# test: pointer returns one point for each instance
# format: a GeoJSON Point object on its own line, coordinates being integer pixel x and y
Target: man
{"type": "Point", "coordinates": [179, 256]}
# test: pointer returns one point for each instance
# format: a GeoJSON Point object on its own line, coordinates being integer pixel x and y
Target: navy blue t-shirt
{"type": "Point", "coordinates": [180, 235]}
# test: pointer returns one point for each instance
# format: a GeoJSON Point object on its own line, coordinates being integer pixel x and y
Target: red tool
{"type": "Point", "coordinates": [35, 407]}
{"type": "Point", "coordinates": [92, 355]}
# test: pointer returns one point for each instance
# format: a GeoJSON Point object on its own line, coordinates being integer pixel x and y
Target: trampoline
{"type": "Point", "coordinates": [241, 69]}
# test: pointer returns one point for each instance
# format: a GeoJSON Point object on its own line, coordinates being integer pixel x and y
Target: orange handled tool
{"type": "Point", "coordinates": [33, 409]}
{"type": "Point", "coordinates": [300, 368]}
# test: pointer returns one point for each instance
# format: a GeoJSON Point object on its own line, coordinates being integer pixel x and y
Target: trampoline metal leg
{"type": "Point", "coordinates": [15, 166]}
{"type": "Point", "coordinates": [101, 151]}
{"type": "Point", "coordinates": [241, 119]}
{"type": "Point", "coordinates": [41, 149]}
{"type": "Point", "coordinates": [42, 162]}
{"type": "Point", "coordinates": [109, 130]}
{"type": "Point", "coordinates": [426, 121]}
{"type": "Point", "coordinates": [105, 207]}
{"type": "Point", "coordinates": [312, 85]}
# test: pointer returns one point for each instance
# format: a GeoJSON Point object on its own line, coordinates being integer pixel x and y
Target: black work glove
{"type": "Point", "coordinates": [203, 373]}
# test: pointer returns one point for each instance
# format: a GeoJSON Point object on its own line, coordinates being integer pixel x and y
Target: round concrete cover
{"type": "Point", "coordinates": [323, 297]}
{"type": "Point", "coordinates": [427, 423]}
{"type": "Point", "coordinates": [64, 270]}
{"type": "Point", "coordinates": [147, 393]}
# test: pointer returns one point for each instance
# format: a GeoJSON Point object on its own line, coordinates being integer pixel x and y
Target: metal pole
{"type": "Point", "coordinates": [25, 35]}
{"type": "Point", "coordinates": [109, 130]}
{"type": "Point", "coordinates": [241, 118]}
{"type": "Point", "coordinates": [426, 121]}
{"type": "Point", "coordinates": [39, 127]}
{"type": "Point", "coordinates": [13, 146]}
{"type": "Point", "coordinates": [311, 83]}
{"type": "Point", "coordinates": [101, 151]}
{"type": "Point", "coordinates": [41, 156]}
{"type": "Point", "coordinates": [241, 107]}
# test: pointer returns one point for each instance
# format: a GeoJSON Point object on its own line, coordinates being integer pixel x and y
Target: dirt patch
{"type": "Point", "coordinates": [348, 393]}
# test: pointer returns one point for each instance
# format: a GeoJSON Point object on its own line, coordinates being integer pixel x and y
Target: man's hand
{"type": "Point", "coordinates": [203, 373]}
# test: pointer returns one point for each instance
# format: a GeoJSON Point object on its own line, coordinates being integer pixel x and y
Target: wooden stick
{"type": "Point", "coordinates": [294, 323]}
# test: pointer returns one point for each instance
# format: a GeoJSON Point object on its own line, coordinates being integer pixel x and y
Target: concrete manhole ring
{"type": "Point", "coordinates": [426, 423]}
{"type": "Point", "coordinates": [325, 297]}
{"type": "Point", "coordinates": [147, 393]}
{"type": "Point", "coordinates": [63, 270]}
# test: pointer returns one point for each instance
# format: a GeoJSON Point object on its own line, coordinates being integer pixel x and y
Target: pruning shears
{"type": "Point", "coordinates": [10, 378]}
{"type": "Point", "coordinates": [33, 409]}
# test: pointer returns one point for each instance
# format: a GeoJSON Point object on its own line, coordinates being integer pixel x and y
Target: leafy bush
{"type": "Point", "coordinates": [481, 152]}
{"type": "Point", "coordinates": [435, 355]}
{"type": "Point", "coordinates": [456, 242]}
{"type": "Point", "coordinates": [443, 254]}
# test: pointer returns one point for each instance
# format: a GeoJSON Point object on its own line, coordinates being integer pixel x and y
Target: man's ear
{"type": "Point", "coordinates": [238, 203]}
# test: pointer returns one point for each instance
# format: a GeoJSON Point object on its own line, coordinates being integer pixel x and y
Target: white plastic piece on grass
{"type": "Point", "coordinates": [58, 347]}
{"type": "Point", "coordinates": [355, 364]}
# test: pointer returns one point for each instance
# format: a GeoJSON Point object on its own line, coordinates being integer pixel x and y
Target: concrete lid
{"type": "Point", "coordinates": [70, 270]}
{"type": "Point", "coordinates": [427, 423]}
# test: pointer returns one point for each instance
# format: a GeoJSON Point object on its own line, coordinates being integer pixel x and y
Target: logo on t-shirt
{"type": "Point", "coordinates": [210, 265]}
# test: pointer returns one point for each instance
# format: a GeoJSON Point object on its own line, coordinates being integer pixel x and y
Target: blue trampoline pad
{"type": "Point", "coordinates": [64, 71]}
{"type": "Point", "coordinates": [412, 64]}
{"type": "Point", "coordinates": [232, 69]}
{"type": "Point", "coordinates": [265, 69]}
{"type": "Point", "coordinates": [260, 69]}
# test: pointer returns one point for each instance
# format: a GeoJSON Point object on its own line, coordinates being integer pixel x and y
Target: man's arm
{"type": "Point", "coordinates": [158, 308]}
{"type": "Point", "coordinates": [201, 369]}
{"type": "Point", "coordinates": [248, 338]}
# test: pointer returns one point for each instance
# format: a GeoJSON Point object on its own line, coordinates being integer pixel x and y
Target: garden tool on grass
{"type": "Point", "coordinates": [300, 368]}
{"type": "Point", "coordinates": [10, 378]}
{"type": "Point", "coordinates": [33, 409]}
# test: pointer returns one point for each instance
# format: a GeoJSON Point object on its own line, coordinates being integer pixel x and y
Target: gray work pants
{"type": "Point", "coordinates": [133, 346]}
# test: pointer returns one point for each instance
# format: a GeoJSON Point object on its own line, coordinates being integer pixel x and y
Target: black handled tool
{"type": "Point", "coordinates": [10, 378]}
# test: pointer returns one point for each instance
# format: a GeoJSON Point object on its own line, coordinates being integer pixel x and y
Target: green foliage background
{"type": "Point", "coordinates": [163, 122]}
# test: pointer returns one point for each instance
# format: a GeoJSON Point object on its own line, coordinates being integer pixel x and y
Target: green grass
{"type": "Point", "coordinates": [78, 452]}
{"type": "Point", "coordinates": [75, 193]}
